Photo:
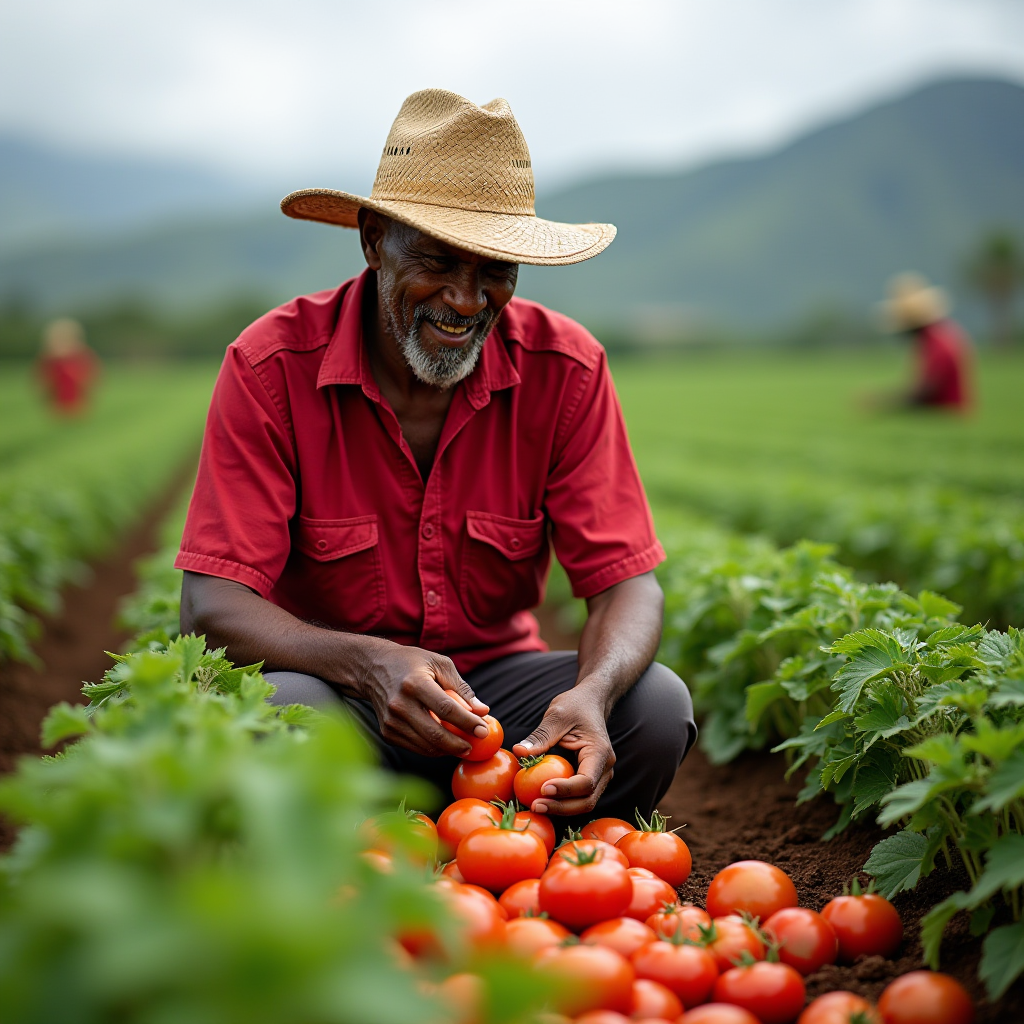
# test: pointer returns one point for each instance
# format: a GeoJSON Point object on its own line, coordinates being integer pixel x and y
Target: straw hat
{"type": "Point", "coordinates": [459, 173]}
{"type": "Point", "coordinates": [913, 303]}
{"type": "Point", "coordinates": [63, 337]}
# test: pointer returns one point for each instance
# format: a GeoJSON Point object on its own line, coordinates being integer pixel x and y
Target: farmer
{"type": "Point", "coordinates": [67, 367]}
{"type": "Point", "coordinates": [386, 464]}
{"type": "Point", "coordinates": [921, 311]}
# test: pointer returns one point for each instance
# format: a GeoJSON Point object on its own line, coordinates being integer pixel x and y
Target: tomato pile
{"type": "Point", "coordinates": [599, 918]}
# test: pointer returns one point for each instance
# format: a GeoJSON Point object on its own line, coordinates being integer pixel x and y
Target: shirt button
{"type": "Point", "coordinates": [321, 545]}
{"type": "Point", "coordinates": [432, 598]}
{"type": "Point", "coordinates": [428, 531]}
{"type": "Point", "coordinates": [516, 543]}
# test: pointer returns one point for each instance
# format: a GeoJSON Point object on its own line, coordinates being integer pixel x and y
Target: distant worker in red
{"type": "Point", "coordinates": [943, 351]}
{"type": "Point", "coordinates": [68, 368]}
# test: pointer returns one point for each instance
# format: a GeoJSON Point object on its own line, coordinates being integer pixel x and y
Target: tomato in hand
{"type": "Point", "coordinates": [651, 999]}
{"type": "Point", "coordinates": [592, 978]}
{"type": "Point", "coordinates": [864, 923]}
{"type": "Point", "coordinates": [480, 747]}
{"type": "Point", "coordinates": [608, 830]}
{"type": "Point", "coordinates": [535, 771]}
{"type": "Point", "coordinates": [650, 894]}
{"type": "Point", "coordinates": [925, 997]}
{"type": "Point", "coordinates": [659, 851]}
{"type": "Point", "coordinates": [750, 886]}
{"type": "Point", "coordinates": [571, 847]}
{"type": "Point", "coordinates": [458, 819]}
{"type": "Point", "coordinates": [499, 855]}
{"type": "Point", "coordinates": [522, 898]}
{"type": "Point", "coordinates": [486, 780]}
{"type": "Point", "coordinates": [839, 1008]}
{"type": "Point", "coordinates": [623, 934]}
{"type": "Point", "coordinates": [688, 971]}
{"type": "Point", "coordinates": [583, 888]}
{"type": "Point", "coordinates": [774, 993]}
{"type": "Point", "coordinates": [729, 939]}
{"type": "Point", "coordinates": [674, 917]}
{"type": "Point", "coordinates": [527, 936]}
{"type": "Point", "coordinates": [806, 940]}
{"type": "Point", "coordinates": [718, 1013]}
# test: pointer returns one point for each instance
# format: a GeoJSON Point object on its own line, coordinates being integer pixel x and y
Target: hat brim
{"type": "Point", "coordinates": [498, 236]}
{"type": "Point", "coordinates": [915, 310]}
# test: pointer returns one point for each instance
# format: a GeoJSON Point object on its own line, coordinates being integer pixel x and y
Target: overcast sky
{"type": "Point", "coordinates": [309, 87]}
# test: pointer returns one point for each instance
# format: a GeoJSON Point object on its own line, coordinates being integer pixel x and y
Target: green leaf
{"type": "Point", "coordinates": [942, 750]}
{"type": "Point", "coordinates": [933, 924]}
{"type": "Point", "coordinates": [831, 718]}
{"type": "Point", "coordinates": [1002, 959]}
{"type": "Point", "coordinates": [873, 655]}
{"type": "Point", "coordinates": [954, 634]}
{"type": "Point", "coordinates": [1004, 868]}
{"type": "Point", "coordinates": [1006, 783]}
{"type": "Point", "coordinates": [64, 721]}
{"type": "Point", "coordinates": [1010, 692]}
{"type": "Point", "coordinates": [996, 649]}
{"type": "Point", "coordinates": [896, 863]}
{"type": "Point", "coordinates": [874, 781]}
{"type": "Point", "coordinates": [760, 696]}
{"type": "Point", "coordinates": [935, 606]}
{"type": "Point", "coordinates": [997, 744]}
{"type": "Point", "coordinates": [981, 919]}
{"type": "Point", "coordinates": [902, 802]}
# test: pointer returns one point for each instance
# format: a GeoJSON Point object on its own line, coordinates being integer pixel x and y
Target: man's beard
{"type": "Point", "coordinates": [447, 365]}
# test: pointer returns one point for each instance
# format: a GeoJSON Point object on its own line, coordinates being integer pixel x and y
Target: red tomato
{"type": "Point", "coordinates": [718, 1013]}
{"type": "Point", "coordinates": [602, 1017]}
{"type": "Point", "coordinates": [659, 851]}
{"type": "Point", "coordinates": [688, 971]}
{"type": "Point", "coordinates": [586, 888]}
{"type": "Point", "coordinates": [675, 916]}
{"type": "Point", "coordinates": [540, 825]}
{"type": "Point", "coordinates": [484, 894]}
{"type": "Point", "coordinates": [925, 997]}
{"type": "Point", "coordinates": [806, 940]}
{"type": "Point", "coordinates": [535, 771]}
{"type": "Point", "coordinates": [457, 820]}
{"type": "Point", "coordinates": [478, 923]}
{"type": "Point", "coordinates": [521, 898]}
{"type": "Point", "coordinates": [525, 936]}
{"type": "Point", "coordinates": [451, 870]}
{"type": "Point", "coordinates": [480, 747]}
{"type": "Point", "coordinates": [569, 849]}
{"type": "Point", "coordinates": [864, 923]}
{"type": "Point", "coordinates": [839, 1008]}
{"type": "Point", "coordinates": [730, 938]}
{"type": "Point", "coordinates": [466, 995]}
{"type": "Point", "coordinates": [486, 780]}
{"type": "Point", "coordinates": [774, 993]}
{"type": "Point", "coordinates": [623, 934]}
{"type": "Point", "coordinates": [498, 855]}
{"type": "Point", "coordinates": [404, 829]}
{"type": "Point", "coordinates": [379, 860]}
{"type": "Point", "coordinates": [652, 999]}
{"type": "Point", "coordinates": [752, 886]}
{"type": "Point", "coordinates": [650, 894]}
{"type": "Point", "coordinates": [608, 830]}
{"type": "Point", "coordinates": [592, 977]}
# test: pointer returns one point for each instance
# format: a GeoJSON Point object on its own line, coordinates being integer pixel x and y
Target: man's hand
{"type": "Point", "coordinates": [574, 720]}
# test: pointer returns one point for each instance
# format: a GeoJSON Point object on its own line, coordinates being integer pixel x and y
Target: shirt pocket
{"type": "Point", "coordinates": [346, 577]}
{"type": "Point", "coordinates": [504, 561]}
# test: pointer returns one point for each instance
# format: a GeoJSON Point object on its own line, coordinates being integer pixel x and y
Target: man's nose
{"type": "Point", "coordinates": [465, 294]}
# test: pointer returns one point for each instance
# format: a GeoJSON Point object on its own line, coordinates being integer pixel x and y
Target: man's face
{"type": "Point", "coordinates": [438, 302]}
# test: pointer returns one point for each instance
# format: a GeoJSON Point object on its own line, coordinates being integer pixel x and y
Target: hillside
{"type": "Point", "coordinates": [746, 242]}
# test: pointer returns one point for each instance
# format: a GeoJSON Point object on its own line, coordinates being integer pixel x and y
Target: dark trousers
{"type": "Point", "coordinates": [651, 728]}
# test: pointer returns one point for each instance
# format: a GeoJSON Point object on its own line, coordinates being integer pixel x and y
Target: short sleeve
{"type": "Point", "coordinates": [601, 524]}
{"type": "Point", "coordinates": [245, 494]}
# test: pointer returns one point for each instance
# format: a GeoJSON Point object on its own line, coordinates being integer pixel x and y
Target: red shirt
{"type": "Point", "coordinates": [308, 493]}
{"type": "Point", "coordinates": [943, 356]}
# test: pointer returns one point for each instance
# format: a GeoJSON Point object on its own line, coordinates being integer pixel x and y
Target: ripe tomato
{"type": "Point", "coordinates": [535, 771]}
{"type": "Point", "coordinates": [498, 855]}
{"type": "Point", "coordinates": [480, 747]}
{"type": "Point", "coordinates": [569, 849]}
{"type": "Point", "coordinates": [688, 971]}
{"type": "Point", "coordinates": [839, 1008]}
{"type": "Point", "coordinates": [659, 851]}
{"type": "Point", "coordinates": [652, 999]}
{"type": "Point", "coordinates": [718, 1013]}
{"type": "Point", "coordinates": [478, 924]}
{"type": "Point", "coordinates": [650, 894]}
{"type": "Point", "coordinates": [608, 830]}
{"type": "Point", "coordinates": [465, 994]}
{"type": "Point", "coordinates": [806, 940]}
{"type": "Point", "coordinates": [540, 825]}
{"type": "Point", "coordinates": [675, 916]}
{"type": "Point", "coordinates": [752, 886]}
{"type": "Point", "coordinates": [521, 898]}
{"type": "Point", "coordinates": [864, 923]}
{"type": "Point", "coordinates": [774, 993]}
{"type": "Point", "coordinates": [379, 860]}
{"type": "Point", "coordinates": [592, 978]}
{"type": "Point", "coordinates": [623, 934]}
{"type": "Point", "coordinates": [582, 889]}
{"type": "Point", "coordinates": [458, 819]}
{"type": "Point", "coordinates": [730, 937]}
{"type": "Point", "coordinates": [486, 780]}
{"type": "Point", "coordinates": [484, 894]}
{"type": "Point", "coordinates": [408, 830]}
{"type": "Point", "coordinates": [925, 997]}
{"type": "Point", "coordinates": [525, 936]}
{"type": "Point", "coordinates": [451, 870]}
{"type": "Point", "coordinates": [597, 1017]}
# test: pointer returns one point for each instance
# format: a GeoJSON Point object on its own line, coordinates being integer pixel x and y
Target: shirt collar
{"type": "Point", "coordinates": [346, 361]}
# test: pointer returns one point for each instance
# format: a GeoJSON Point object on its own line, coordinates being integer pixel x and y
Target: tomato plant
{"type": "Point", "coordinates": [535, 771]}
{"type": "Point", "coordinates": [499, 855]}
{"type": "Point", "coordinates": [486, 780]}
{"type": "Point", "coordinates": [688, 971]}
{"type": "Point", "coordinates": [675, 917]}
{"type": "Point", "coordinates": [623, 934]}
{"type": "Point", "coordinates": [732, 938]}
{"type": "Point", "coordinates": [806, 940]}
{"type": "Point", "coordinates": [592, 977]}
{"type": "Point", "coordinates": [480, 747]}
{"type": "Point", "coordinates": [653, 1000]}
{"type": "Point", "coordinates": [925, 997]}
{"type": "Point", "coordinates": [772, 992]}
{"type": "Point", "coordinates": [718, 1013]}
{"type": "Point", "coordinates": [526, 936]}
{"type": "Point", "coordinates": [521, 898]}
{"type": "Point", "coordinates": [864, 923]}
{"type": "Point", "coordinates": [583, 888]}
{"type": "Point", "coordinates": [460, 818]}
{"type": "Point", "coordinates": [572, 845]}
{"type": "Point", "coordinates": [839, 1008]}
{"type": "Point", "coordinates": [752, 887]}
{"type": "Point", "coordinates": [650, 894]}
{"type": "Point", "coordinates": [608, 830]}
{"type": "Point", "coordinates": [659, 851]}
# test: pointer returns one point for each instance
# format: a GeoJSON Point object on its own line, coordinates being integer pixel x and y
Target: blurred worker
{"type": "Point", "coordinates": [921, 311]}
{"type": "Point", "coordinates": [68, 368]}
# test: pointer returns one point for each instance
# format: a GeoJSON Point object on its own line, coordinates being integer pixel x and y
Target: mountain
{"type": "Point", "coordinates": [751, 243]}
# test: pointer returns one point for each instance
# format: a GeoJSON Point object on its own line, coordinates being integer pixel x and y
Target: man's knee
{"type": "Point", "coordinates": [297, 688]}
{"type": "Point", "coordinates": [664, 711]}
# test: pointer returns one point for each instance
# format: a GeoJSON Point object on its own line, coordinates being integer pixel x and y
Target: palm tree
{"type": "Point", "coordinates": [996, 272]}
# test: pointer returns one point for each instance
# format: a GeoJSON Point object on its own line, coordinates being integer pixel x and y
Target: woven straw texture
{"type": "Point", "coordinates": [913, 303]}
{"type": "Point", "coordinates": [462, 174]}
